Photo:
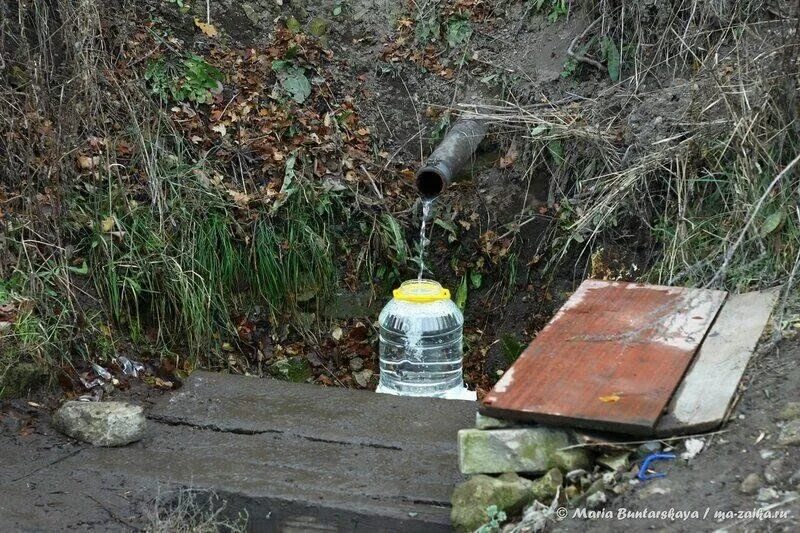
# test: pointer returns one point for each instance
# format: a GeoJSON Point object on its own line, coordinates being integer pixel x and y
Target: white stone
{"type": "Point", "coordinates": [101, 423]}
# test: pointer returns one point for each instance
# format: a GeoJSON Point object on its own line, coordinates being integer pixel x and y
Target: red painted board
{"type": "Point", "coordinates": [610, 359]}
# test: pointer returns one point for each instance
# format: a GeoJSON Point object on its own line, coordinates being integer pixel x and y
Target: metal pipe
{"type": "Point", "coordinates": [450, 157]}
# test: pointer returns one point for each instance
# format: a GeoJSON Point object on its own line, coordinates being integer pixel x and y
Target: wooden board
{"type": "Point", "coordinates": [610, 359]}
{"type": "Point", "coordinates": [702, 401]}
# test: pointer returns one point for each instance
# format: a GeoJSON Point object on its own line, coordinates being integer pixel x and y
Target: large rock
{"type": "Point", "coordinates": [534, 449]}
{"type": "Point", "coordinates": [101, 423]}
{"type": "Point", "coordinates": [509, 492]}
{"type": "Point", "coordinates": [546, 487]}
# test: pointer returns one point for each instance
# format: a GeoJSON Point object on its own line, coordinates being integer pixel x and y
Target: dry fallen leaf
{"type": "Point", "coordinates": [207, 29]}
{"type": "Point", "coordinates": [88, 163]}
{"type": "Point", "coordinates": [337, 333]}
{"type": "Point", "coordinates": [221, 129]}
{"type": "Point", "coordinates": [162, 383]}
{"type": "Point", "coordinates": [511, 156]}
{"type": "Point", "coordinates": [239, 198]}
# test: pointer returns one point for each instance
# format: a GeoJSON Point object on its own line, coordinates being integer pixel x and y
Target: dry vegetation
{"type": "Point", "coordinates": [192, 511]}
{"type": "Point", "coordinates": [188, 204]}
{"type": "Point", "coordinates": [703, 161]}
{"type": "Point", "coordinates": [142, 196]}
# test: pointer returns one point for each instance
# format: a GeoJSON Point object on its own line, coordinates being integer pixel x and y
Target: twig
{"type": "Point", "coordinates": [583, 58]}
{"type": "Point", "coordinates": [517, 227]}
{"type": "Point", "coordinates": [663, 439]}
{"type": "Point", "coordinates": [328, 370]}
{"type": "Point", "coordinates": [419, 122]}
{"type": "Point", "coordinates": [372, 181]}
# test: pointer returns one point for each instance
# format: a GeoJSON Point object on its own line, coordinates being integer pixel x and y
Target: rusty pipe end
{"type": "Point", "coordinates": [432, 179]}
{"type": "Point", "coordinates": [450, 157]}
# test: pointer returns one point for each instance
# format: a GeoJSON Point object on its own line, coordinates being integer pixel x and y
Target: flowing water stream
{"type": "Point", "coordinates": [427, 203]}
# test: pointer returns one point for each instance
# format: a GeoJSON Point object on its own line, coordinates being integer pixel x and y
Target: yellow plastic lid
{"type": "Point", "coordinates": [421, 291]}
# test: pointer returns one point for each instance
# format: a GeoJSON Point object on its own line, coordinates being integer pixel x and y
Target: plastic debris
{"type": "Point", "coordinates": [693, 447]}
{"type": "Point", "coordinates": [647, 448]}
{"type": "Point", "coordinates": [89, 385]}
{"type": "Point", "coordinates": [644, 474]}
{"type": "Point", "coordinates": [101, 372]}
{"type": "Point", "coordinates": [130, 368]}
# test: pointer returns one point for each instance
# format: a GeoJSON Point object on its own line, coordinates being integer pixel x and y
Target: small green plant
{"type": "Point", "coordinates": [555, 8]}
{"type": "Point", "coordinates": [28, 330]}
{"type": "Point", "coordinates": [10, 288]}
{"type": "Point", "coordinates": [459, 30]}
{"type": "Point", "coordinates": [610, 53]}
{"type": "Point", "coordinates": [427, 30]}
{"type": "Point", "coordinates": [428, 25]}
{"type": "Point", "coordinates": [462, 293]}
{"type": "Point", "coordinates": [476, 279]}
{"type": "Point", "coordinates": [511, 280]}
{"type": "Point", "coordinates": [190, 79]}
{"type": "Point", "coordinates": [293, 79]}
{"type": "Point", "coordinates": [556, 150]}
{"type": "Point", "coordinates": [393, 239]}
{"type": "Point", "coordinates": [511, 348]}
{"type": "Point", "coordinates": [569, 68]}
{"type": "Point", "coordinates": [571, 65]}
{"type": "Point", "coordinates": [441, 127]}
{"type": "Point", "coordinates": [338, 7]}
{"type": "Point", "coordinates": [496, 519]}
{"type": "Point", "coordinates": [558, 8]}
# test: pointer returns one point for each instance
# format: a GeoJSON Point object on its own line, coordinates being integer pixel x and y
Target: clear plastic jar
{"type": "Point", "coordinates": [421, 342]}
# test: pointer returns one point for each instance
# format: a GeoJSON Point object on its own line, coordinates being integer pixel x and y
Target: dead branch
{"type": "Point", "coordinates": [584, 58]}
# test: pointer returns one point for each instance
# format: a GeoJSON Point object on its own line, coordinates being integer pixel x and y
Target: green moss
{"type": "Point", "coordinates": [294, 369]}
{"type": "Point", "coordinates": [18, 378]}
{"type": "Point", "coordinates": [318, 27]}
{"type": "Point", "coordinates": [510, 493]}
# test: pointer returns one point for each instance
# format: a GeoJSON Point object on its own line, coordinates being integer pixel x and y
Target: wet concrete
{"type": "Point", "coordinates": [296, 457]}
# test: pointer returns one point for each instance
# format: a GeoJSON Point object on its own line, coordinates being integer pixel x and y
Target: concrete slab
{"type": "Point", "coordinates": [251, 405]}
{"type": "Point", "coordinates": [296, 457]}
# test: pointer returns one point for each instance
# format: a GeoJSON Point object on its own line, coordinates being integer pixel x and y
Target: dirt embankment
{"type": "Point", "coordinates": [222, 109]}
{"type": "Point", "coordinates": [271, 151]}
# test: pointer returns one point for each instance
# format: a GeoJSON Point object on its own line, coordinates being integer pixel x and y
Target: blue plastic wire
{"type": "Point", "coordinates": [643, 475]}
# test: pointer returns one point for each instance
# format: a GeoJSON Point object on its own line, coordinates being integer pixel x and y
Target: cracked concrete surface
{"type": "Point", "coordinates": [291, 455]}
